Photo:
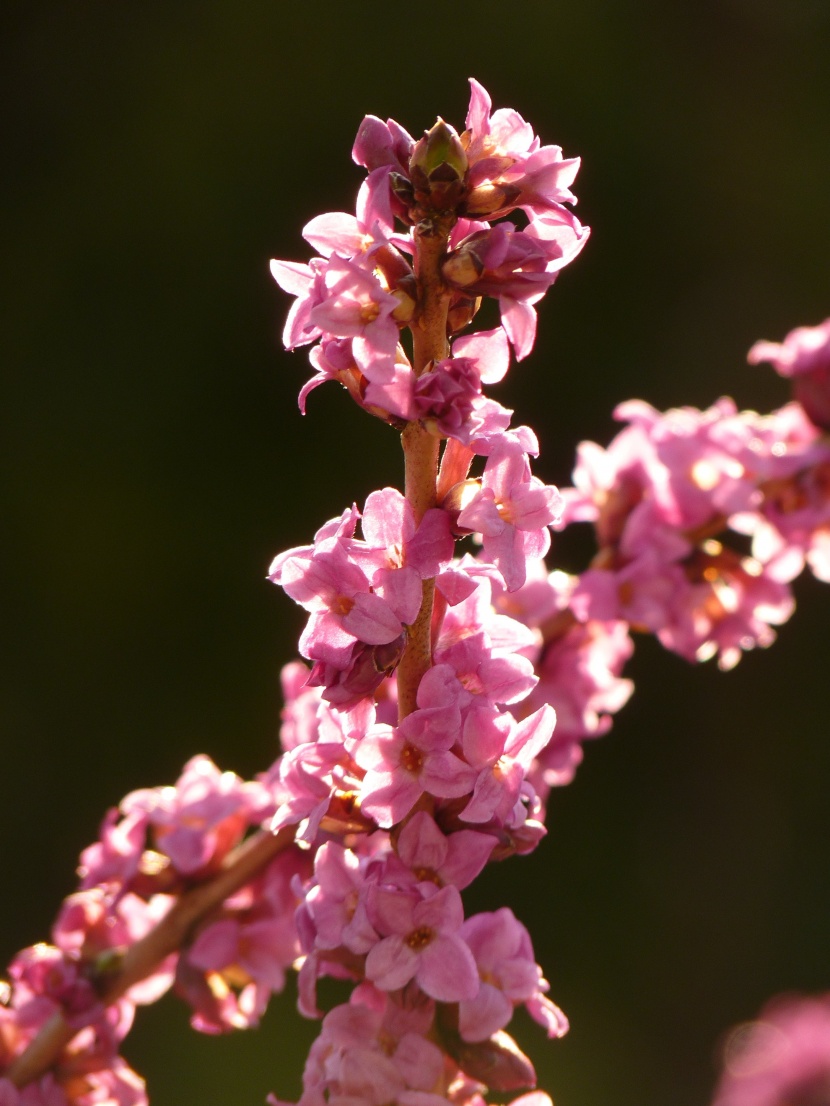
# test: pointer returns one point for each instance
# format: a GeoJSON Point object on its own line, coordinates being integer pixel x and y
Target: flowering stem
{"type": "Point", "coordinates": [169, 935]}
{"type": "Point", "coordinates": [420, 448]}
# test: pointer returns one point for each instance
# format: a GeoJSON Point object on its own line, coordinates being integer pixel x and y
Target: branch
{"type": "Point", "coordinates": [142, 958]}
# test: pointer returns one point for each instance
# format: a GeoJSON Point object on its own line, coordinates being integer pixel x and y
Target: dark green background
{"type": "Point", "coordinates": [155, 155]}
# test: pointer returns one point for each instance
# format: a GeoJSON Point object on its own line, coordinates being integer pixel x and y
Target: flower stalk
{"type": "Point", "coordinates": [421, 448]}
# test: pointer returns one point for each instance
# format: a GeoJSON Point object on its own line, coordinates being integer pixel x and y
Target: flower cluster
{"type": "Point", "coordinates": [354, 300]}
{"type": "Point", "coordinates": [782, 1059]}
{"type": "Point", "coordinates": [702, 520]}
{"type": "Point", "coordinates": [451, 678]}
{"type": "Point", "coordinates": [159, 845]}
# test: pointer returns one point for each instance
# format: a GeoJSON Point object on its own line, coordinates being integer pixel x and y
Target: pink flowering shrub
{"type": "Point", "coordinates": [451, 677]}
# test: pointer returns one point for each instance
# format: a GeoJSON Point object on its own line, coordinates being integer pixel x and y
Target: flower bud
{"type": "Point", "coordinates": [462, 311]}
{"type": "Point", "coordinates": [462, 267]}
{"type": "Point", "coordinates": [155, 875]}
{"type": "Point", "coordinates": [460, 496]}
{"type": "Point", "coordinates": [438, 168]}
{"type": "Point", "coordinates": [439, 153]}
{"type": "Point", "coordinates": [343, 815]}
{"type": "Point", "coordinates": [490, 199]}
{"type": "Point", "coordinates": [498, 1062]}
{"type": "Point", "coordinates": [405, 311]}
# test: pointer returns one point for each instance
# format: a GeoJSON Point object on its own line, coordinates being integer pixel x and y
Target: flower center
{"type": "Point", "coordinates": [412, 759]}
{"type": "Point", "coordinates": [419, 938]}
{"type": "Point", "coordinates": [428, 875]}
{"type": "Point", "coordinates": [342, 604]}
{"type": "Point", "coordinates": [505, 511]}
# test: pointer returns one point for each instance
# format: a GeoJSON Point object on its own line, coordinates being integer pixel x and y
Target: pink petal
{"type": "Point", "coordinates": [446, 970]}
{"type": "Point", "coordinates": [334, 232]}
{"type": "Point", "coordinates": [490, 351]}
{"type": "Point", "coordinates": [519, 322]}
{"type": "Point", "coordinates": [372, 620]}
{"type": "Point", "coordinates": [488, 1012]}
{"type": "Point", "coordinates": [392, 963]}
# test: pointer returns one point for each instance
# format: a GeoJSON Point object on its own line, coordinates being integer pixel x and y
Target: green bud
{"type": "Point", "coordinates": [439, 155]}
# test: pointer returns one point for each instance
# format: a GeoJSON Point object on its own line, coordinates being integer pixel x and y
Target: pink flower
{"type": "Point", "coordinates": [326, 580]}
{"type": "Point", "coordinates": [116, 857]}
{"type": "Point", "coordinates": [502, 751]}
{"type": "Point", "coordinates": [512, 512]}
{"type": "Point", "coordinates": [93, 923]}
{"type": "Point", "coordinates": [509, 976]}
{"type": "Point", "coordinates": [374, 1052]}
{"type": "Point", "coordinates": [335, 906]}
{"type": "Point", "coordinates": [425, 853]}
{"type": "Point", "coordinates": [352, 235]}
{"type": "Point", "coordinates": [243, 962]}
{"type": "Point", "coordinates": [382, 144]}
{"type": "Point", "coordinates": [406, 762]}
{"type": "Point", "coordinates": [508, 167]}
{"type": "Point", "coordinates": [484, 649]}
{"type": "Point", "coordinates": [311, 778]}
{"type": "Point", "coordinates": [422, 943]}
{"type": "Point", "coordinates": [517, 268]}
{"type": "Point", "coordinates": [580, 675]}
{"type": "Point", "coordinates": [356, 306]}
{"type": "Point", "coordinates": [198, 821]}
{"type": "Point", "coordinates": [46, 971]}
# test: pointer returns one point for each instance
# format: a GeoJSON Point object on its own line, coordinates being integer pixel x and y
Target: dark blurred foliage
{"type": "Point", "coordinates": [155, 155]}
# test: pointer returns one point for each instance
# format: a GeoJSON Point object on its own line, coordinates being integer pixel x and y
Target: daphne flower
{"type": "Point", "coordinates": [422, 943]}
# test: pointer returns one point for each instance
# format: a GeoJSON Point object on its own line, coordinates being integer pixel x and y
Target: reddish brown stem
{"type": "Point", "coordinates": [429, 340]}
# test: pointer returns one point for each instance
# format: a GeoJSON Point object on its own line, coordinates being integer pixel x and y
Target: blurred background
{"type": "Point", "coordinates": [155, 155]}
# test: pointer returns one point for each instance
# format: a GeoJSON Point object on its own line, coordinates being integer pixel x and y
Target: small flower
{"type": "Point", "coordinates": [422, 943]}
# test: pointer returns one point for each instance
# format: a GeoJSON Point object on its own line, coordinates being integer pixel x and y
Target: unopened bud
{"type": "Point", "coordinates": [403, 196]}
{"type": "Point", "coordinates": [498, 1062]}
{"type": "Point", "coordinates": [461, 312]}
{"type": "Point", "coordinates": [438, 168]}
{"type": "Point", "coordinates": [344, 815]}
{"type": "Point", "coordinates": [460, 495]}
{"type": "Point", "coordinates": [155, 875]}
{"type": "Point", "coordinates": [439, 155]}
{"type": "Point", "coordinates": [396, 274]}
{"type": "Point", "coordinates": [404, 312]}
{"type": "Point", "coordinates": [462, 267]}
{"type": "Point", "coordinates": [491, 199]}
{"type": "Point", "coordinates": [386, 658]}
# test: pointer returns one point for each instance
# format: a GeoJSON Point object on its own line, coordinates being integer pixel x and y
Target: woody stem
{"type": "Point", "coordinates": [420, 448]}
